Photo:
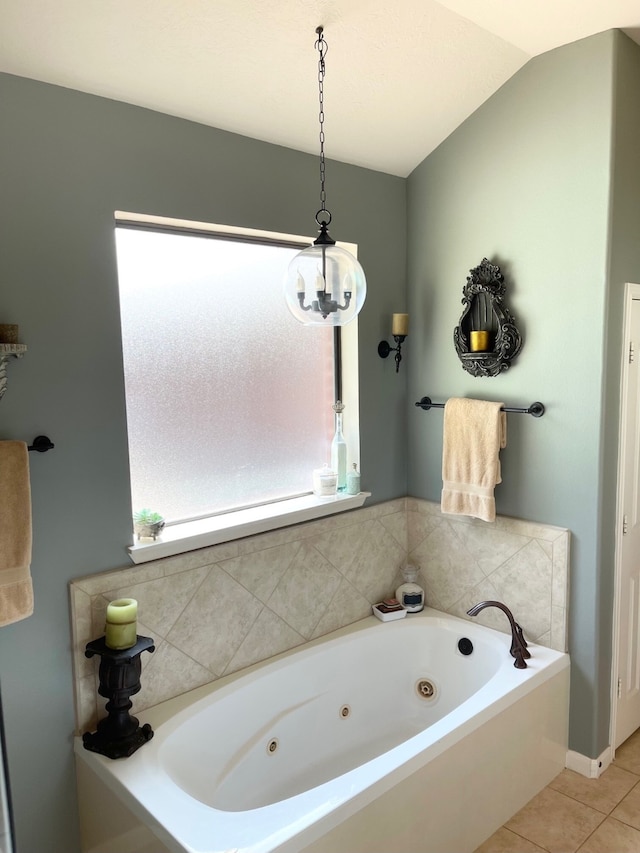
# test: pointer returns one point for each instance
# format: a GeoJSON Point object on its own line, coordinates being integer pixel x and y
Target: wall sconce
{"type": "Point", "coordinates": [399, 330]}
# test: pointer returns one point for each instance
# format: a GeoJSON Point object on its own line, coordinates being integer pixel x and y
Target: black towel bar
{"type": "Point", "coordinates": [535, 409]}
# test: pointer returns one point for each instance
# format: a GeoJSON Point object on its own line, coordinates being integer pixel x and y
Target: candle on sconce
{"type": "Point", "coordinates": [120, 630]}
{"type": "Point", "coordinates": [301, 284]}
{"type": "Point", "coordinates": [400, 325]}
{"type": "Point", "coordinates": [480, 341]}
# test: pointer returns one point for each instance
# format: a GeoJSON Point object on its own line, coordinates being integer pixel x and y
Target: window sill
{"type": "Point", "coordinates": [191, 535]}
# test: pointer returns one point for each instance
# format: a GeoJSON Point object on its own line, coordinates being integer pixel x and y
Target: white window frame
{"type": "Point", "coordinates": [186, 536]}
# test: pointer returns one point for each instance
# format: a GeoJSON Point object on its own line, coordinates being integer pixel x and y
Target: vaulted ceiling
{"type": "Point", "coordinates": [400, 76]}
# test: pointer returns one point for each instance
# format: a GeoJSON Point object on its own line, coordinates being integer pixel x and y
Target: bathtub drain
{"type": "Point", "coordinates": [425, 689]}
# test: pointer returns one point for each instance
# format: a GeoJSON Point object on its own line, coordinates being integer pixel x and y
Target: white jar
{"type": "Point", "coordinates": [410, 594]}
{"type": "Point", "coordinates": [325, 481]}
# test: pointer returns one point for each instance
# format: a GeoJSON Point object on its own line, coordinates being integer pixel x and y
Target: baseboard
{"type": "Point", "coordinates": [592, 768]}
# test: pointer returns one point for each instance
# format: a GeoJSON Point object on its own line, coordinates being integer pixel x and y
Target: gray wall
{"type": "Point", "coordinates": [67, 161]}
{"type": "Point", "coordinates": [527, 182]}
{"type": "Point", "coordinates": [624, 266]}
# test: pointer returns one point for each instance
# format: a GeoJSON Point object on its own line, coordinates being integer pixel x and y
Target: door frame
{"type": "Point", "coordinates": [631, 293]}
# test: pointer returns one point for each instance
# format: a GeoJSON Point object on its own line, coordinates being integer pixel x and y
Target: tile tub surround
{"type": "Point", "coordinates": [464, 560]}
{"type": "Point", "coordinates": [217, 610]}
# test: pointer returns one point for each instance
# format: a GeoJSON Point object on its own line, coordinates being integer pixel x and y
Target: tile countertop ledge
{"type": "Point", "coordinates": [190, 535]}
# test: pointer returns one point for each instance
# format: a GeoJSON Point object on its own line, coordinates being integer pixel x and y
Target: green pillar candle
{"type": "Point", "coordinates": [120, 630]}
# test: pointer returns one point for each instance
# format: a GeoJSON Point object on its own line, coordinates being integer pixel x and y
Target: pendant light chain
{"type": "Point", "coordinates": [322, 46]}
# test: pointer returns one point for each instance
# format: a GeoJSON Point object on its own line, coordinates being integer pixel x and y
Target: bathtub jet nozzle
{"type": "Point", "coordinates": [519, 648]}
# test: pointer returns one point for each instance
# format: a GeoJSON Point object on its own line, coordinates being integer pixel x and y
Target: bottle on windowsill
{"type": "Point", "coordinates": [339, 450]}
{"type": "Point", "coordinates": [353, 481]}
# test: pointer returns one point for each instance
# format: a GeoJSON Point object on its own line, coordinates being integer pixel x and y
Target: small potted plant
{"type": "Point", "coordinates": [147, 524]}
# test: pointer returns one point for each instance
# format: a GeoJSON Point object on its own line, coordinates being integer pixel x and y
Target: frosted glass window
{"type": "Point", "coordinates": [228, 397]}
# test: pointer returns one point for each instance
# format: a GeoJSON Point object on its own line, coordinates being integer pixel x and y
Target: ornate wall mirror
{"type": "Point", "coordinates": [486, 339]}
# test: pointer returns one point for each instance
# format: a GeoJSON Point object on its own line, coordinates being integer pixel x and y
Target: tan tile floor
{"type": "Point", "coordinates": [578, 815]}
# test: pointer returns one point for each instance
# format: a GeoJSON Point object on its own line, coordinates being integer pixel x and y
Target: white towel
{"type": "Point", "coordinates": [16, 590]}
{"type": "Point", "coordinates": [474, 432]}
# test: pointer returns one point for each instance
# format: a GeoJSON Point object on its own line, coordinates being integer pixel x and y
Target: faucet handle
{"type": "Point", "coordinates": [519, 646]}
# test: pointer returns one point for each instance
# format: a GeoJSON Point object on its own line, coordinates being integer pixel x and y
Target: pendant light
{"type": "Point", "coordinates": [325, 285]}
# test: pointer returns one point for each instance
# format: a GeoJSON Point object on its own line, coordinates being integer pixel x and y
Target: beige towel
{"type": "Point", "coordinates": [474, 432]}
{"type": "Point", "coordinates": [16, 591]}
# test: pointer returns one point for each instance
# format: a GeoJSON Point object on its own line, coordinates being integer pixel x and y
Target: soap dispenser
{"type": "Point", "coordinates": [410, 594]}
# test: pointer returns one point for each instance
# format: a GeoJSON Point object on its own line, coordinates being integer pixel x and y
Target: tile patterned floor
{"type": "Point", "coordinates": [574, 814]}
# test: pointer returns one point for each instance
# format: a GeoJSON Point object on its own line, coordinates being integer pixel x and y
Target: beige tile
{"type": "Point", "coordinates": [448, 567]}
{"type": "Point", "coordinates": [162, 600]}
{"type": "Point", "coordinates": [269, 635]}
{"type": "Point", "coordinates": [377, 511]}
{"type": "Point", "coordinates": [374, 565]}
{"type": "Point", "coordinates": [628, 755]}
{"type": "Point", "coordinates": [547, 547]}
{"type": "Point", "coordinates": [558, 638]}
{"type": "Point", "coordinates": [260, 571]}
{"type": "Point", "coordinates": [396, 524]}
{"type": "Point", "coordinates": [530, 529]}
{"type": "Point", "coordinates": [629, 809]}
{"type": "Point", "coordinates": [82, 629]}
{"type": "Point", "coordinates": [490, 547]}
{"type": "Point", "coordinates": [505, 841]}
{"type": "Point", "coordinates": [305, 590]}
{"type": "Point", "coordinates": [524, 584]}
{"type": "Point", "coordinates": [169, 673]}
{"type": "Point", "coordinates": [339, 547]}
{"type": "Point", "coordinates": [347, 606]}
{"type": "Point", "coordinates": [419, 526]}
{"type": "Point", "coordinates": [491, 617]}
{"type": "Point", "coordinates": [271, 539]}
{"type": "Point", "coordinates": [195, 559]}
{"type": "Point", "coordinates": [602, 794]}
{"type": "Point", "coordinates": [555, 822]}
{"type": "Point", "coordinates": [93, 584]}
{"type": "Point", "coordinates": [215, 622]}
{"type": "Point", "coordinates": [613, 837]}
{"type": "Point", "coordinates": [560, 560]}
{"type": "Point", "coordinates": [86, 705]}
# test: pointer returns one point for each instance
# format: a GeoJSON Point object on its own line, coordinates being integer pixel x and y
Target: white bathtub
{"type": "Point", "coordinates": [333, 748]}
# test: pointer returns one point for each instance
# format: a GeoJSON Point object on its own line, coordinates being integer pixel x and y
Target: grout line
{"type": "Point", "coordinates": [525, 838]}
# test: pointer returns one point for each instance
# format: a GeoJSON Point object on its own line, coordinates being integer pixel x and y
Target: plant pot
{"type": "Point", "coordinates": [148, 531]}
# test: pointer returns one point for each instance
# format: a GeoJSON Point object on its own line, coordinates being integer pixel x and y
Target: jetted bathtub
{"type": "Point", "coordinates": [379, 738]}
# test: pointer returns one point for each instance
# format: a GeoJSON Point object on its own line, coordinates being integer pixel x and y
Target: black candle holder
{"type": "Point", "coordinates": [385, 348]}
{"type": "Point", "coordinates": [118, 735]}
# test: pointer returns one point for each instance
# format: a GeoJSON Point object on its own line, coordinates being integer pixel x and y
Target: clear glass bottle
{"type": "Point", "coordinates": [339, 450]}
{"type": "Point", "coordinates": [410, 594]}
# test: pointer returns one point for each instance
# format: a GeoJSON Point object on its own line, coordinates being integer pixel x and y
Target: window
{"type": "Point", "coordinates": [228, 397]}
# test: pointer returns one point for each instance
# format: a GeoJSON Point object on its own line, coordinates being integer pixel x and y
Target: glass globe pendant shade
{"type": "Point", "coordinates": [325, 286]}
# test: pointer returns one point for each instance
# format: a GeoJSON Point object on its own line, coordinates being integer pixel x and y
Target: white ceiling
{"type": "Point", "coordinates": [400, 76]}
